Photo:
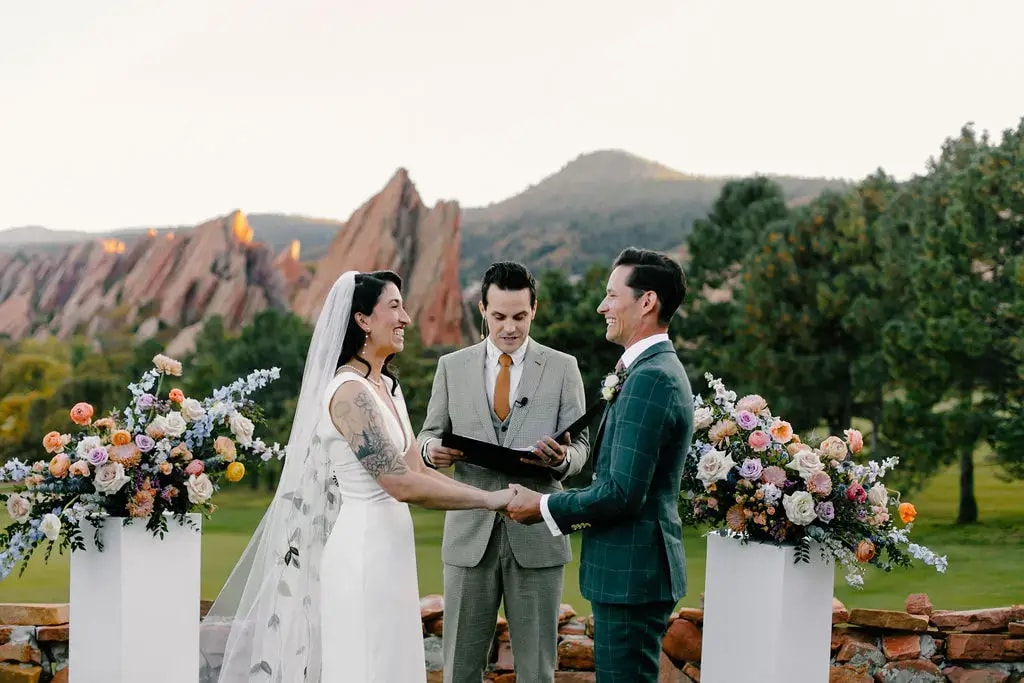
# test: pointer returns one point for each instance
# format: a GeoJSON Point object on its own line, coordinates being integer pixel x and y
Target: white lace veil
{"type": "Point", "coordinates": [265, 624]}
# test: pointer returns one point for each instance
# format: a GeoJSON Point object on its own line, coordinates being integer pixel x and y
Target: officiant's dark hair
{"type": "Point", "coordinates": [654, 272]}
{"type": "Point", "coordinates": [365, 296]}
{"type": "Point", "coordinates": [510, 276]}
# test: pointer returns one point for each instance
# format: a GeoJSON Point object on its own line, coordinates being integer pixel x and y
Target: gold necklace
{"type": "Point", "coordinates": [379, 383]}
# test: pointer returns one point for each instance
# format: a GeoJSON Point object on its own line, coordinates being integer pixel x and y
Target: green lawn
{"type": "Point", "coordinates": [985, 560]}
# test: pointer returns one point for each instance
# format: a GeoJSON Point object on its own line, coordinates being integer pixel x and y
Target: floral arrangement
{"type": "Point", "coordinates": [748, 474]}
{"type": "Point", "coordinates": [612, 385]}
{"type": "Point", "coordinates": [161, 456]}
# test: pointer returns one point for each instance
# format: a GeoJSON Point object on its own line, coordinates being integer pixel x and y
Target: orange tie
{"type": "Point", "coordinates": [501, 387]}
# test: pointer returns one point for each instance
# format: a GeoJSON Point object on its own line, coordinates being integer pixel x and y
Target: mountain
{"type": "Point", "coordinates": [594, 206]}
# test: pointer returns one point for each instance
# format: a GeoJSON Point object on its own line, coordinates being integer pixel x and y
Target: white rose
{"type": "Point", "coordinates": [109, 478]}
{"type": "Point", "coordinates": [611, 381]}
{"type": "Point", "coordinates": [241, 427]}
{"type": "Point", "coordinates": [87, 444]}
{"type": "Point", "coordinates": [192, 409]}
{"type": "Point", "coordinates": [807, 463]}
{"type": "Point", "coordinates": [878, 495]}
{"type": "Point", "coordinates": [799, 507]}
{"type": "Point", "coordinates": [159, 422]}
{"type": "Point", "coordinates": [607, 393]}
{"type": "Point", "coordinates": [702, 418]}
{"type": "Point", "coordinates": [50, 526]}
{"type": "Point", "coordinates": [19, 508]}
{"type": "Point", "coordinates": [174, 424]}
{"type": "Point", "coordinates": [714, 466]}
{"type": "Point", "coordinates": [200, 488]}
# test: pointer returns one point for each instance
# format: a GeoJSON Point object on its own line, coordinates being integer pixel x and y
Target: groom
{"type": "Point", "coordinates": [632, 565]}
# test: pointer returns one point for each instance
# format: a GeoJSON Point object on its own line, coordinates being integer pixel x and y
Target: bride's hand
{"type": "Point", "coordinates": [499, 500]}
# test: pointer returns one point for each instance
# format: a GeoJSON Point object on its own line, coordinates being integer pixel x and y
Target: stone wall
{"type": "Point", "coordinates": [918, 645]}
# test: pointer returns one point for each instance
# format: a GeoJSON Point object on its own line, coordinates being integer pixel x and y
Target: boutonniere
{"type": "Point", "coordinates": [612, 385]}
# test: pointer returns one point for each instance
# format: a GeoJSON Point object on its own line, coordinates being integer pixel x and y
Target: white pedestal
{"type": "Point", "coordinates": [135, 605]}
{"type": "Point", "coordinates": [766, 619]}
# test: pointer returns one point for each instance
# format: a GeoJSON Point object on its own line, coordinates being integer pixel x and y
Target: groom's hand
{"type": "Point", "coordinates": [524, 506]}
{"type": "Point", "coordinates": [549, 453]}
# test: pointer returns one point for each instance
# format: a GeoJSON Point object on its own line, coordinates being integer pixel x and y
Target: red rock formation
{"type": "Point", "coordinates": [395, 231]}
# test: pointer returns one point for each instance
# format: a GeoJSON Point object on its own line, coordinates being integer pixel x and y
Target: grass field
{"type": "Point", "coordinates": [986, 560]}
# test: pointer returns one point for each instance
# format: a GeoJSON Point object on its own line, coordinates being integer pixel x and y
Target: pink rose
{"type": "Point", "coordinates": [753, 403]}
{"type": "Point", "coordinates": [774, 475]}
{"type": "Point", "coordinates": [194, 468]}
{"type": "Point", "coordinates": [856, 493]}
{"type": "Point", "coordinates": [759, 440]}
{"type": "Point", "coordinates": [855, 439]}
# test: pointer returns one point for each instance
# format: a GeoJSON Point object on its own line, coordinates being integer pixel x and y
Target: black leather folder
{"type": "Point", "coordinates": [507, 460]}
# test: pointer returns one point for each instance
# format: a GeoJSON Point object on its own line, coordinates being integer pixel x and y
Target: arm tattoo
{"type": "Point", "coordinates": [360, 424]}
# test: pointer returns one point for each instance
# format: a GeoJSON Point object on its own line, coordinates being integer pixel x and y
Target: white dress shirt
{"type": "Point", "coordinates": [628, 357]}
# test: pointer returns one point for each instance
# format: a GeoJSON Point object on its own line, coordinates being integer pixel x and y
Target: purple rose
{"type": "Point", "coordinates": [751, 469]}
{"type": "Point", "coordinates": [746, 420]}
{"type": "Point", "coordinates": [144, 443]}
{"type": "Point", "coordinates": [145, 401]}
{"type": "Point", "coordinates": [826, 511]}
{"type": "Point", "coordinates": [97, 456]}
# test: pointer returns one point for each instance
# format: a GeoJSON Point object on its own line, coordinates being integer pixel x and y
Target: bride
{"type": "Point", "coordinates": [326, 591]}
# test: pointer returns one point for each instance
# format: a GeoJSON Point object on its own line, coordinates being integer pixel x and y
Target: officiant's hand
{"type": "Point", "coordinates": [549, 453]}
{"type": "Point", "coordinates": [525, 505]}
{"type": "Point", "coordinates": [442, 457]}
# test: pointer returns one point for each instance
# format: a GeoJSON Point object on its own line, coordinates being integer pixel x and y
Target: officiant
{"type": "Point", "coordinates": [505, 392]}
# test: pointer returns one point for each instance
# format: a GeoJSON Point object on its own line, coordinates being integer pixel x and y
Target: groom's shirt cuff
{"type": "Point", "coordinates": [546, 514]}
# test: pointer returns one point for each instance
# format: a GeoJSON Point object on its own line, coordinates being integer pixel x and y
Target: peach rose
{"type": "Point", "coordinates": [181, 451]}
{"type": "Point", "coordinates": [166, 467]}
{"type": "Point", "coordinates": [176, 395]}
{"type": "Point", "coordinates": [795, 447]}
{"type": "Point", "coordinates": [59, 465]}
{"type": "Point", "coordinates": [81, 413]}
{"type": "Point", "coordinates": [104, 423]}
{"type": "Point", "coordinates": [79, 468]}
{"type": "Point", "coordinates": [865, 551]}
{"type": "Point", "coordinates": [167, 365]}
{"type": "Point", "coordinates": [753, 403]}
{"type": "Point", "coordinates": [722, 430]}
{"type": "Point", "coordinates": [781, 431]}
{"type": "Point", "coordinates": [855, 439]}
{"type": "Point", "coordinates": [121, 438]}
{"type": "Point", "coordinates": [225, 448]}
{"type": "Point", "coordinates": [53, 442]}
{"type": "Point", "coordinates": [908, 513]}
{"type": "Point", "coordinates": [833, 448]}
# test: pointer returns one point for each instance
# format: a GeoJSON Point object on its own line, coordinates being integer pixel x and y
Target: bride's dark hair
{"type": "Point", "coordinates": [365, 296]}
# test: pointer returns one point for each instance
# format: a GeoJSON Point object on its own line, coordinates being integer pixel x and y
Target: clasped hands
{"type": "Point", "coordinates": [517, 502]}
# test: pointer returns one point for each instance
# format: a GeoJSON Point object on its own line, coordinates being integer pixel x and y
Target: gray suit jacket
{"type": "Point", "coordinates": [552, 382]}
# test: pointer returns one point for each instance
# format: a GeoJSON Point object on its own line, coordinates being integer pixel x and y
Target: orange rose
{"type": "Point", "coordinates": [59, 465]}
{"type": "Point", "coordinates": [120, 438]}
{"type": "Point", "coordinates": [225, 448]}
{"type": "Point", "coordinates": [53, 443]}
{"type": "Point", "coordinates": [908, 513]}
{"type": "Point", "coordinates": [781, 431]}
{"type": "Point", "coordinates": [865, 551]}
{"type": "Point", "coordinates": [81, 414]}
{"type": "Point", "coordinates": [235, 471]}
{"type": "Point", "coordinates": [104, 423]}
{"type": "Point", "coordinates": [79, 468]}
{"type": "Point", "coordinates": [176, 395]}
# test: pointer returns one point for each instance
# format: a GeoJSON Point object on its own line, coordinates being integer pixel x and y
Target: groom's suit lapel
{"type": "Point", "coordinates": [476, 389]}
{"type": "Point", "coordinates": [645, 355]}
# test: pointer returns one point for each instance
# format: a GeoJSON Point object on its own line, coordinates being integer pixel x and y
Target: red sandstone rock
{"type": "Point", "coordinates": [668, 673]}
{"type": "Point", "coordinates": [576, 652]}
{"type": "Point", "coordinates": [691, 614]}
{"type": "Point", "coordinates": [61, 676]}
{"type": "Point", "coordinates": [682, 642]}
{"type": "Point", "coordinates": [16, 673]}
{"type": "Point", "coordinates": [692, 671]}
{"type": "Point", "coordinates": [973, 621]}
{"type": "Point", "coordinates": [575, 677]}
{"type": "Point", "coordinates": [41, 614]}
{"type": "Point", "coordinates": [1016, 628]}
{"type": "Point", "coordinates": [839, 612]}
{"type": "Point", "coordinates": [505, 660]}
{"type": "Point", "coordinates": [431, 607]}
{"type": "Point", "coordinates": [887, 619]}
{"type": "Point", "coordinates": [897, 648]}
{"type": "Point", "coordinates": [918, 603]}
{"type": "Point", "coordinates": [565, 613]}
{"type": "Point", "coordinates": [20, 652]}
{"type": "Point", "coordinates": [974, 647]}
{"type": "Point", "coordinates": [575, 627]}
{"type": "Point", "coordinates": [956, 674]}
{"type": "Point", "coordinates": [434, 627]}
{"type": "Point", "coordinates": [857, 652]}
{"type": "Point", "coordinates": [847, 673]}
{"type": "Point", "coordinates": [395, 231]}
{"type": "Point", "coordinates": [920, 671]}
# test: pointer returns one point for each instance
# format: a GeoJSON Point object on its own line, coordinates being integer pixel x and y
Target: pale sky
{"type": "Point", "coordinates": [117, 113]}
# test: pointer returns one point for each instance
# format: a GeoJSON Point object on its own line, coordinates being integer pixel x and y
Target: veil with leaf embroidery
{"type": "Point", "coordinates": [265, 624]}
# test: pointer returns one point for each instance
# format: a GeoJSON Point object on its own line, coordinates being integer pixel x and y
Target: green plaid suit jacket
{"type": "Point", "coordinates": [632, 549]}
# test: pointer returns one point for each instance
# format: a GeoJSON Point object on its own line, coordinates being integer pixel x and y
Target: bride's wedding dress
{"type": "Point", "coordinates": [370, 612]}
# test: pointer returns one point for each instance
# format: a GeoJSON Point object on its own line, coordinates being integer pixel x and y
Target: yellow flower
{"type": "Point", "coordinates": [235, 471]}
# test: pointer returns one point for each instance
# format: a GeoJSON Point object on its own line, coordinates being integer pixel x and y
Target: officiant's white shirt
{"type": "Point", "coordinates": [628, 356]}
